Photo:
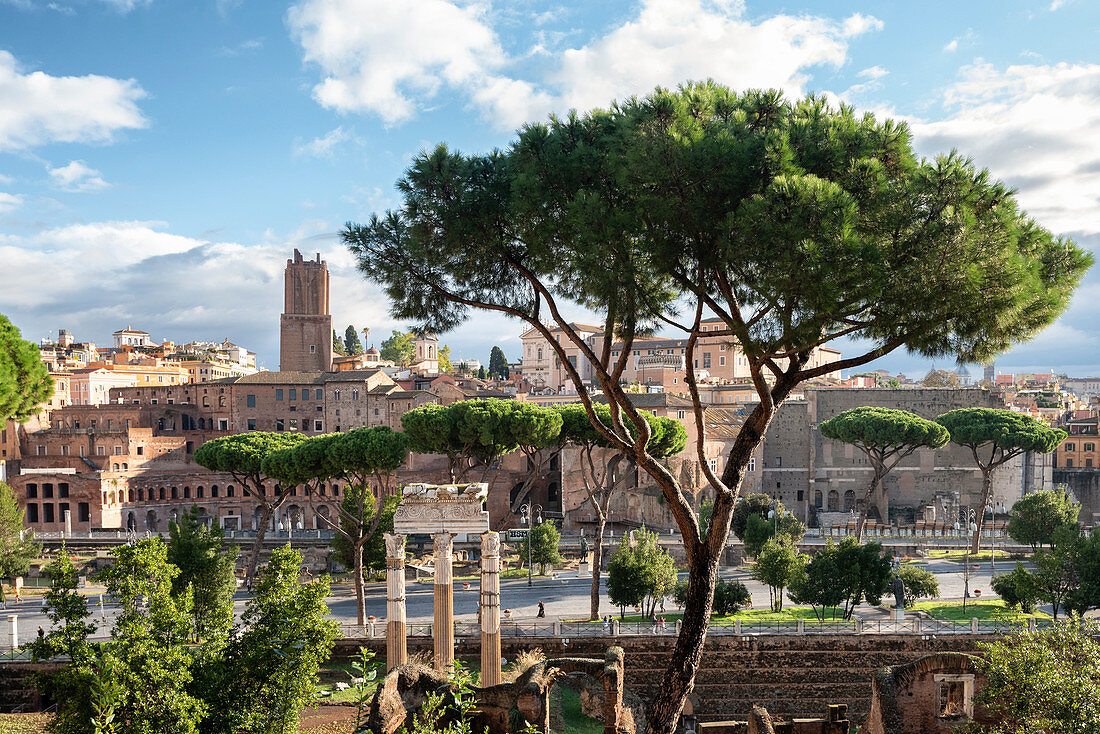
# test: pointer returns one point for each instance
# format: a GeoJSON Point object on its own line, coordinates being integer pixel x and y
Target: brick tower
{"type": "Point", "coordinates": [305, 328]}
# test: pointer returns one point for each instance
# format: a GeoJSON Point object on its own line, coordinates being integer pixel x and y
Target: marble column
{"type": "Point", "coordinates": [397, 652]}
{"type": "Point", "coordinates": [490, 609]}
{"type": "Point", "coordinates": [443, 632]}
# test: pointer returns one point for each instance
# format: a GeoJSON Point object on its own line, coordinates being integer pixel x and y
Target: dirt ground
{"type": "Point", "coordinates": [319, 720]}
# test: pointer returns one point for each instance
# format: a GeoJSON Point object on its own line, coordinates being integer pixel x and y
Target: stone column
{"type": "Point", "coordinates": [490, 609]}
{"type": "Point", "coordinates": [443, 631]}
{"type": "Point", "coordinates": [397, 652]}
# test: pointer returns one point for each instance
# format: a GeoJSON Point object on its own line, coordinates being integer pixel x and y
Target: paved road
{"type": "Point", "coordinates": [566, 597]}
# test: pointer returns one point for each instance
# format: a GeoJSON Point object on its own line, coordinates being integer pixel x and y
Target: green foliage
{"type": "Point", "coordinates": [399, 348]}
{"type": "Point", "coordinates": [640, 572]}
{"type": "Point", "coordinates": [706, 511]}
{"type": "Point", "coordinates": [875, 430]}
{"type": "Point", "coordinates": [352, 345]}
{"type": "Point", "coordinates": [1017, 589]}
{"type": "Point", "coordinates": [271, 667]}
{"type": "Point", "coordinates": [919, 583]}
{"type": "Point", "coordinates": [206, 571]}
{"type": "Point", "coordinates": [844, 574]}
{"type": "Point", "coordinates": [498, 363]}
{"type": "Point", "coordinates": [778, 564]}
{"type": "Point", "coordinates": [337, 344]}
{"type": "Point", "coordinates": [1055, 572]}
{"type": "Point", "coordinates": [760, 529]}
{"type": "Point", "coordinates": [819, 585]}
{"type": "Point", "coordinates": [444, 358]}
{"type": "Point", "coordinates": [1086, 561]}
{"type": "Point", "coordinates": [242, 454]}
{"type": "Point", "coordinates": [1048, 680]}
{"type": "Point", "coordinates": [730, 597]}
{"type": "Point", "coordinates": [147, 659]}
{"type": "Point", "coordinates": [749, 504]}
{"type": "Point", "coordinates": [544, 540]}
{"type": "Point", "coordinates": [1035, 517]}
{"type": "Point", "coordinates": [1005, 432]}
{"type": "Point", "coordinates": [373, 551]}
{"type": "Point", "coordinates": [25, 383]}
{"type": "Point", "coordinates": [16, 553]}
{"type": "Point", "coordinates": [67, 610]}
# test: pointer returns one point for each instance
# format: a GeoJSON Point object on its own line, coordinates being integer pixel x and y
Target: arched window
{"type": "Point", "coordinates": [187, 493]}
{"type": "Point", "coordinates": [110, 498]}
{"type": "Point", "coordinates": [130, 496]}
{"type": "Point", "coordinates": [229, 490]}
{"type": "Point", "coordinates": [151, 520]}
{"type": "Point", "coordinates": [125, 466]}
{"type": "Point", "coordinates": [199, 493]}
{"type": "Point", "coordinates": [131, 521]}
{"type": "Point", "coordinates": [834, 500]}
{"type": "Point", "coordinates": [161, 493]}
{"type": "Point", "coordinates": [213, 490]}
{"type": "Point", "coordinates": [553, 496]}
{"type": "Point", "coordinates": [175, 493]}
{"type": "Point", "coordinates": [205, 401]}
{"type": "Point", "coordinates": [320, 518]}
{"type": "Point", "coordinates": [114, 467]}
{"type": "Point", "coordinates": [335, 489]}
{"type": "Point", "coordinates": [221, 401]}
{"type": "Point", "coordinates": [514, 494]}
{"type": "Point", "coordinates": [818, 499]}
{"type": "Point", "coordinates": [141, 494]}
{"type": "Point", "coordinates": [849, 500]}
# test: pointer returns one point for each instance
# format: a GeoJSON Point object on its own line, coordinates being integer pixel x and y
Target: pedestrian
{"type": "Point", "coordinates": [542, 610]}
{"type": "Point", "coordinates": [479, 612]}
{"type": "Point", "coordinates": [18, 595]}
{"type": "Point", "coordinates": [606, 623]}
{"type": "Point", "coordinates": [3, 600]}
{"type": "Point", "coordinates": [41, 632]}
{"type": "Point", "coordinates": [653, 623]}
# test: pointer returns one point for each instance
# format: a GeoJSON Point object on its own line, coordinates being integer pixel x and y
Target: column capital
{"type": "Point", "coordinates": [490, 543]}
{"type": "Point", "coordinates": [395, 545]}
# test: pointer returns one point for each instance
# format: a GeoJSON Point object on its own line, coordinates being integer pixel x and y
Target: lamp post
{"type": "Point", "coordinates": [527, 519]}
{"type": "Point", "coordinates": [968, 514]}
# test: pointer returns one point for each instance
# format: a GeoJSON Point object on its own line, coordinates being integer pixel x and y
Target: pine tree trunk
{"type": "Point", "coordinates": [979, 516]}
{"type": "Point", "coordinates": [257, 546]}
{"type": "Point", "coordinates": [679, 679]}
{"type": "Point", "coordinates": [597, 565]}
{"type": "Point", "coordinates": [360, 604]}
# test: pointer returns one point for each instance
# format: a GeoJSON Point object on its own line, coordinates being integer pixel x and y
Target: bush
{"type": "Point", "coordinates": [679, 592]}
{"type": "Point", "coordinates": [919, 583]}
{"type": "Point", "coordinates": [729, 597]}
{"type": "Point", "coordinates": [1018, 589]}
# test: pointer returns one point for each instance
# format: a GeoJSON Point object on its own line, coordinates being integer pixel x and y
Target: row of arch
{"type": "Point", "coordinates": [297, 517]}
{"type": "Point", "coordinates": [833, 498]}
{"type": "Point", "coordinates": [151, 494]}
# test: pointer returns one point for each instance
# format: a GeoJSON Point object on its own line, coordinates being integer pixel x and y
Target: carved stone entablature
{"type": "Point", "coordinates": [443, 508]}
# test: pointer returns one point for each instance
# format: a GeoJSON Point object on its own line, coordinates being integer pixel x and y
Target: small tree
{"type": "Point", "coordinates": [481, 374]}
{"type": "Point", "coordinates": [995, 437]}
{"type": "Point", "coordinates": [242, 456]}
{"type": "Point", "coordinates": [444, 359]}
{"type": "Point", "coordinates": [864, 572]}
{"type": "Point", "coordinates": [886, 437]}
{"type": "Point", "coordinates": [498, 363]}
{"type": "Point", "coordinates": [352, 345]}
{"type": "Point", "coordinates": [1035, 517]}
{"type": "Point", "coordinates": [543, 541]}
{"type": "Point", "coordinates": [729, 597]}
{"type": "Point", "coordinates": [778, 564]}
{"type": "Point", "coordinates": [67, 610]}
{"type": "Point", "coordinates": [1056, 574]}
{"type": "Point", "coordinates": [337, 344]}
{"type": "Point", "coordinates": [271, 667]}
{"type": "Point", "coordinates": [148, 656]}
{"type": "Point", "coordinates": [819, 584]}
{"type": "Point", "coordinates": [920, 583]}
{"type": "Point", "coordinates": [1047, 680]}
{"type": "Point", "coordinates": [17, 545]}
{"type": "Point", "coordinates": [399, 348]}
{"type": "Point", "coordinates": [1017, 589]}
{"type": "Point", "coordinates": [206, 571]}
{"type": "Point", "coordinates": [640, 572]}
{"type": "Point", "coordinates": [25, 382]}
{"type": "Point", "coordinates": [760, 529]}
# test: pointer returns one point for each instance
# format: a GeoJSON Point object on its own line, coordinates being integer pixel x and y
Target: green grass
{"type": "Point", "coordinates": [959, 556]}
{"type": "Point", "coordinates": [24, 723]}
{"type": "Point", "coordinates": [575, 721]}
{"type": "Point", "coordinates": [989, 610]}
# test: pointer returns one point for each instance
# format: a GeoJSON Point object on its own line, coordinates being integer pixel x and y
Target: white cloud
{"type": "Point", "coordinates": [77, 177]}
{"type": "Point", "coordinates": [382, 57]}
{"type": "Point", "coordinates": [1035, 127]}
{"type": "Point", "coordinates": [125, 6]}
{"type": "Point", "coordinates": [970, 38]}
{"type": "Point", "coordinates": [952, 46]}
{"type": "Point", "coordinates": [8, 202]}
{"type": "Point", "coordinates": [36, 108]}
{"type": "Point", "coordinates": [324, 146]}
{"type": "Point", "coordinates": [391, 59]}
{"type": "Point", "coordinates": [244, 47]}
{"type": "Point", "coordinates": [1056, 4]}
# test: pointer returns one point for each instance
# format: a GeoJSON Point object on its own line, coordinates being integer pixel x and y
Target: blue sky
{"type": "Point", "coordinates": [159, 159]}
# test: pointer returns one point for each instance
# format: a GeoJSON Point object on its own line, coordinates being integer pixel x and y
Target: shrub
{"type": "Point", "coordinates": [919, 583]}
{"type": "Point", "coordinates": [729, 597]}
{"type": "Point", "coordinates": [1018, 589]}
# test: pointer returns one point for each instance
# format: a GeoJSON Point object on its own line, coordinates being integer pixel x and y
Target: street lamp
{"type": "Point", "coordinates": [527, 519]}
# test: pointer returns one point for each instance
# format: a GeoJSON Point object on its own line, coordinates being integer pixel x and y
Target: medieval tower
{"type": "Point", "coordinates": [305, 328]}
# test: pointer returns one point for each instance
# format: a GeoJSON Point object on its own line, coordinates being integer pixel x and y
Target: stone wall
{"type": "Point", "coordinates": [791, 675]}
{"type": "Point", "coordinates": [1084, 485]}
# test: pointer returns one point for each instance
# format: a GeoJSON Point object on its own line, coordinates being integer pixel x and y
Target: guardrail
{"type": "Point", "coordinates": [617, 628]}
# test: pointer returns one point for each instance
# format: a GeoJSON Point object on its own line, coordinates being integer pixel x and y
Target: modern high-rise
{"type": "Point", "coordinates": [305, 328]}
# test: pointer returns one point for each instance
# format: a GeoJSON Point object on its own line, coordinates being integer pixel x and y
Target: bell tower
{"type": "Point", "coordinates": [305, 328]}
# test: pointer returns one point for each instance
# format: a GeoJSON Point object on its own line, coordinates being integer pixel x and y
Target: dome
{"type": "Point", "coordinates": [373, 351]}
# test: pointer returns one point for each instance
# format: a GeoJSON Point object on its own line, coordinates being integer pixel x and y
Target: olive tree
{"type": "Point", "coordinates": [241, 456]}
{"type": "Point", "coordinates": [995, 437]}
{"type": "Point", "coordinates": [886, 437]}
{"type": "Point", "coordinates": [785, 225]}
